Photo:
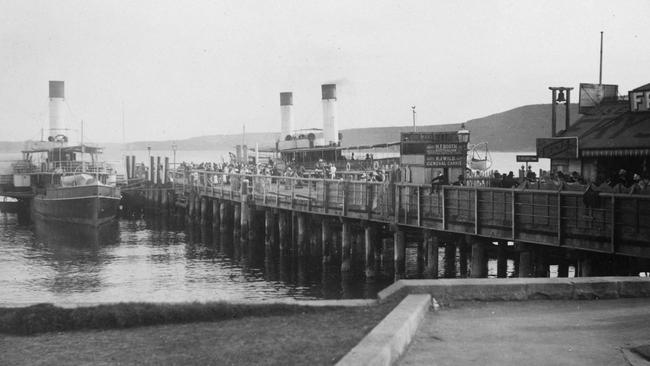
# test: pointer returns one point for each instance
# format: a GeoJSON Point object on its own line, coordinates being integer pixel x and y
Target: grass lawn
{"type": "Point", "coordinates": [318, 337]}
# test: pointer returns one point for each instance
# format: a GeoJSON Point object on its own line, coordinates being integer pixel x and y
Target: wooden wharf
{"type": "Point", "coordinates": [609, 234]}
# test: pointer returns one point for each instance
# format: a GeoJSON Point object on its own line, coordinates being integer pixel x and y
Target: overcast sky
{"type": "Point", "coordinates": [179, 69]}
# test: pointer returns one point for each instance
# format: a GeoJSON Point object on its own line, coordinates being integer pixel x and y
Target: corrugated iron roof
{"type": "Point", "coordinates": [615, 127]}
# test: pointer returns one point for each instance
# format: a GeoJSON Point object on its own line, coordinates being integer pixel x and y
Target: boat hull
{"type": "Point", "coordinates": [85, 205]}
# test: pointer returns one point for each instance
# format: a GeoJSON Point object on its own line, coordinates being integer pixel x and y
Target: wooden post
{"type": "Point", "coordinates": [158, 181]}
{"type": "Point", "coordinates": [502, 259]}
{"type": "Point", "coordinates": [151, 171]}
{"type": "Point", "coordinates": [479, 259]}
{"type": "Point", "coordinates": [584, 267]}
{"type": "Point", "coordinates": [223, 216]}
{"type": "Point", "coordinates": [432, 245]}
{"type": "Point", "coordinates": [269, 230]}
{"type": "Point", "coordinates": [541, 266]}
{"type": "Point", "coordinates": [463, 256]}
{"type": "Point", "coordinates": [132, 166]}
{"type": "Point", "coordinates": [302, 234]}
{"type": "Point", "coordinates": [216, 214]}
{"type": "Point", "coordinates": [450, 259]}
{"type": "Point", "coordinates": [346, 247]}
{"type": "Point", "coordinates": [236, 229]}
{"type": "Point", "coordinates": [164, 204]}
{"type": "Point", "coordinates": [370, 251]}
{"type": "Point", "coordinates": [563, 268]}
{"type": "Point", "coordinates": [420, 254]}
{"type": "Point", "coordinates": [284, 235]}
{"type": "Point", "coordinates": [245, 211]}
{"type": "Point", "coordinates": [204, 210]}
{"type": "Point", "coordinates": [525, 263]}
{"type": "Point", "coordinates": [166, 171]}
{"type": "Point", "coordinates": [326, 235]}
{"type": "Point", "coordinates": [400, 254]}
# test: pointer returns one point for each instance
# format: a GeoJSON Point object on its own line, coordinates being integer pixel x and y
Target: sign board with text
{"type": "Point", "coordinates": [557, 148]}
{"type": "Point", "coordinates": [527, 159]}
{"type": "Point", "coordinates": [440, 149]}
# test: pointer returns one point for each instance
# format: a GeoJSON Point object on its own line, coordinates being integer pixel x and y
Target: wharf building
{"type": "Point", "coordinates": [612, 136]}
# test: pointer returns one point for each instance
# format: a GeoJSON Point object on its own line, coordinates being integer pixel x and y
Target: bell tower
{"type": "Point", "coordinates": [558, 98]}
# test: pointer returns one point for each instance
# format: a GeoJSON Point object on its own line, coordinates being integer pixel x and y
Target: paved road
{"type": "Point", "coordinates": [531, 333]}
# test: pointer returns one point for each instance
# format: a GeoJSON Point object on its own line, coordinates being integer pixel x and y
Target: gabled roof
{"type": "Point", "coordinates": [642, 88]}
{"type": "Point", "coordinates": [614, 132]}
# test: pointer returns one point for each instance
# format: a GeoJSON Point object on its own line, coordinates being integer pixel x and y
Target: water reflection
{"type": "Point", "coordinates": [158, 259]}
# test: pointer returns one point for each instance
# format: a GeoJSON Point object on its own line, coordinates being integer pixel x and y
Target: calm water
{"type": "Point", "coordinates": [154, 260]}
{"type": "Point", "coordinates": [142, 260]}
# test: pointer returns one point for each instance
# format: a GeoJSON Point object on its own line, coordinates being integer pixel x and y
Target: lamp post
{"type": "Point", "coordinates": [413, 108]}
{"type": "Point", "coordinates": [463, 138]}
{"type": "Point", "coordinates": [463, 134]}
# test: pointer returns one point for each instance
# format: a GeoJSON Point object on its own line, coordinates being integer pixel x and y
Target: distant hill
{"type": "Point", "coordinates": [513, 130]}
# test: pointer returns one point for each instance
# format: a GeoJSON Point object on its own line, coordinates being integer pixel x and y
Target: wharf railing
{"type": "Point", "coordinates": [606, 222]}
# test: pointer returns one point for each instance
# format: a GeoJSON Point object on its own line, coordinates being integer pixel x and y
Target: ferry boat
{"type": "Point", "coordinates": [66, 183]}
{"type": "Point", "coordinates": [65, 187]}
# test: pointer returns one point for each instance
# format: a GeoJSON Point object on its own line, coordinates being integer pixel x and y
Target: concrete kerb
{"type": "Point", "coordinates": [390, 338]}
{"type": "Point", "coordinates": [518, 289]}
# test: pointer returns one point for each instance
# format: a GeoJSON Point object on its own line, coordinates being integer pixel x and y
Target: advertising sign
{"type": "Point", "coordinates": [591, 95]}
{"type": "Point", "coordinates": [640, 101]}
{"type": "Point", "coordinates": [439, 149]}
{"type": "Point", "coordinates": [557, 148]}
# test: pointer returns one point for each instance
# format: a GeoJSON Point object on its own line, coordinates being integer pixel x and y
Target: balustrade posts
{"type": "Point", "coordinates": [346, 247]}
{"type": "Point", "coordinates": [479, 258]}
{"type": "Point", "coordinates": [400, 254]}
{"type": "Point", "coordinates": [432, 243]}
{"type": "Point", "coordinates": [502, 259]}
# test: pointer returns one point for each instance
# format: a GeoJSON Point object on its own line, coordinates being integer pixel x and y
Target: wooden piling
{"type": "Point", "coordinates": [346, 247]}
{"type": "Point", "coordinates": [236, 229]}
{"type": "Point", "coordinates": [525, 262]}
{"type": "Point", "coordinates": [270, 227]}
{"type": "Point", "coordinates": [216, 214]}
{"type": "Point", "coordinates": [479, 258]}
{"type": "Point", "coordinates": [244, 212]}
{"type": "Point", "coordinates": [158, 180]}
{"type": "Point", "coordinates": [399, 254]}
{"type": "Point", "coordinates": [302, 234]}
{"type": "Point", "coordinates": [326, 234]}
{"type": "Point", "coordinates": [284, 233]}
{"type": "Point", "coordinates": [463, 255]}
{"type": "Point", "coordinates": [502, 259]}
{"type": "Point", "coordinates": [370, 239]}
{"type": "Point", "coordinates": [432, 243]}
{"type": "Point", "coordinates": [166, 171]}
{"type": "Point", "coordinates": [450, 259]}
